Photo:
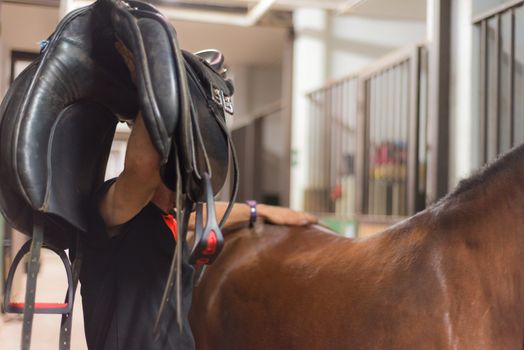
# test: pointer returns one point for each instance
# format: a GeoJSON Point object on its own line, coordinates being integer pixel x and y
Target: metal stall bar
{"type": "Point", "coordinates": [341, 205]}
{"type": "Point", "coordinates": [518, 72]}
{"type": "Point", "coordinates": [505, 81]}
{"type": "Point", "coordinates": [380, 128]}
{"type": "Point", "coordinates": [398, 128]}
{"type": "Point", "coordinates": [483, 82]}
{"type": "Point", "coordinates": [422, 161]}
{"type": "Point", "coordinates": [320, 120]}
{"type": "Point", "coordinates": [374, 110]}
{"type": "Point", "coordinates": [403, 120]}
{"type": "Point", "coordinates": [494, 88]}
{"type": "Point", "coordinates": [321, 167]}
{"type": "Point", "coordinates": [336, 150]}
{"type": "Point", "coordinates": [340, 175]}
{"type": "Point", "coordinates": [315, 152]}
{"type": "Point", "coordinates": [413, 138]}
{"type": "Point", "coordinates": [313, 149]}
{"type": "Point", "coordinates": [398, 131]}
{"type": "Point", "coordinates": [388, 123]}
{"type": "Point", "coordinates": [512, 78]}
{"type": "Point", "coordinates": [326, 156]}
{"type": "Point", "coordinates": [362, 159]}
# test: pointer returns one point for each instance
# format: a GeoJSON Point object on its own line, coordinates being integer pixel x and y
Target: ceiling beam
{"type": "Point", "coordinates": [318, 4]}
{"type": "Point", "coordinates": [249, 19]}
{"type": "Point", "coordinates": [174, 13]}
{"type": "Point", "coordinates": [349, 6]}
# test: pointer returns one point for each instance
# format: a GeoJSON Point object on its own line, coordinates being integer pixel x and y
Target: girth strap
{"type": "Point", "coordinates": [32, 274]}
{"type": "Point", "coordinates": [67, 318]}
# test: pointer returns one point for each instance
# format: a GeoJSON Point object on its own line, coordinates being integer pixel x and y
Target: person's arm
{"type": "Point", "coordinates": [285, 216]}
{"type": "Point", "coordinates": [135, 186]}
{"type": "Point", "coordinates": [273, 214]}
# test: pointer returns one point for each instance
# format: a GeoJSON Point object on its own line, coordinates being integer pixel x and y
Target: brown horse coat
{"type": "Point", "coordinates": [450, 277]}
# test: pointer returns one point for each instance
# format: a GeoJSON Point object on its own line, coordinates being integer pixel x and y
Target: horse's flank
{"type": "Point", "coordinates": [449, 277]}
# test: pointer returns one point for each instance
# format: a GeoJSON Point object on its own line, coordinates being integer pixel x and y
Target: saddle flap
{"type": "Point", "coordinates": [75, 175]}
{"type": "Point", "coordinates": [148, 37]}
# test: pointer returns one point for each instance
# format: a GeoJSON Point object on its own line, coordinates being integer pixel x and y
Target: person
{"type": "Point", "coordinates": [128, 254]}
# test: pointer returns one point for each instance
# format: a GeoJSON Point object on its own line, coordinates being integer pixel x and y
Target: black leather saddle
{"type": "Point", "coordinates": [59, 117]}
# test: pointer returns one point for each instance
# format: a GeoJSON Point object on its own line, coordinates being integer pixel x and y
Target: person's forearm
{"type": "Point", "coordinates": [240, 213]}
{"type": "Point", "coordinates": [135, 186]}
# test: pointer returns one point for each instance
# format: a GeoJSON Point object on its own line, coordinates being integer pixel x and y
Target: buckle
{"type": "Point", "coordinates": [218, 96]}
{"type": "Point", "coordinates": [228, 104]}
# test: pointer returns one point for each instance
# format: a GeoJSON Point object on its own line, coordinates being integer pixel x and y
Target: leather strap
{"type": "Point", "coordinates": [182, 218]}
{"type": "Point", "coordinates": [32, 274]}
{"type": "Point", "coordinates": [67, 318]}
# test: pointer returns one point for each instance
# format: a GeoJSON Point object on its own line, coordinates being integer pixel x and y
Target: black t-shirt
{"type": "Point", "coordinates": [122, 281]}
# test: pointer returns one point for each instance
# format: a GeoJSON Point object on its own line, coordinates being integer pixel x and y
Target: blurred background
{"type": "Point", "coordinates": [360, 111]}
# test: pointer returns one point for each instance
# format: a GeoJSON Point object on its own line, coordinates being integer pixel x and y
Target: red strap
{"type": "Point", "coordinates": [171, 224]}
{"type": "Point", "coordinates": [211, 246]}
{"type": "Point", "coordinates": [40, 305]}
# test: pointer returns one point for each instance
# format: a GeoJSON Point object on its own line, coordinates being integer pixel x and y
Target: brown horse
{"type": "Point", "coordinates": [450, 277]}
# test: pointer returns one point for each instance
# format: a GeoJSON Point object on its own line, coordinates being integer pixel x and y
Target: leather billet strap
{"type": "Point", "coordinates": [32, 274]}
{"type": "Point", "coordinates": [66, 322]}
{"type": "Point", "coordinates": [184, 207]}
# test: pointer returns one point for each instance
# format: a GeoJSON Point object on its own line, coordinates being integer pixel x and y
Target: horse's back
{"type": "Point", "coordinates": [264, 273]}
{"type": "Point", "coordinates": [278, 287]}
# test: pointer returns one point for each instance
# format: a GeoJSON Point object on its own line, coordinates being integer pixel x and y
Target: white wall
{"type": "Point", "coordinates": [267, 88]}
{"type": "Point", "coordinates": [266, 85]}
{"type": "Point", "coordinates": [23, 27]}
{"type": "Point", "coordinates": [358, 41]}
{"type": "Point", "coordinates": [256, 87]}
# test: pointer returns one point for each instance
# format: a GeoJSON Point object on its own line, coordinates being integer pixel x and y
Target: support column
{"type": "Point", "coordinates": [463, 155]}
{"type": "Point", "coordinates": [439, 37]}
{"type": "Point", "coordinates": [309, 73]}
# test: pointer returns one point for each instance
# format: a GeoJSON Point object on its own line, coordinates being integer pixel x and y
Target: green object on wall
{"type": "Point", "coordinates": [343, 227]}
{"type": "Point", "coordinates": [294, 157]}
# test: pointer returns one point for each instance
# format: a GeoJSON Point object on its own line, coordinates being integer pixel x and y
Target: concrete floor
{"type": "Point", "coordinates": [52, 286]}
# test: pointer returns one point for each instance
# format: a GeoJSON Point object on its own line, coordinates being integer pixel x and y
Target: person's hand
{"type": "Point", "coordinates": [284, 216]}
